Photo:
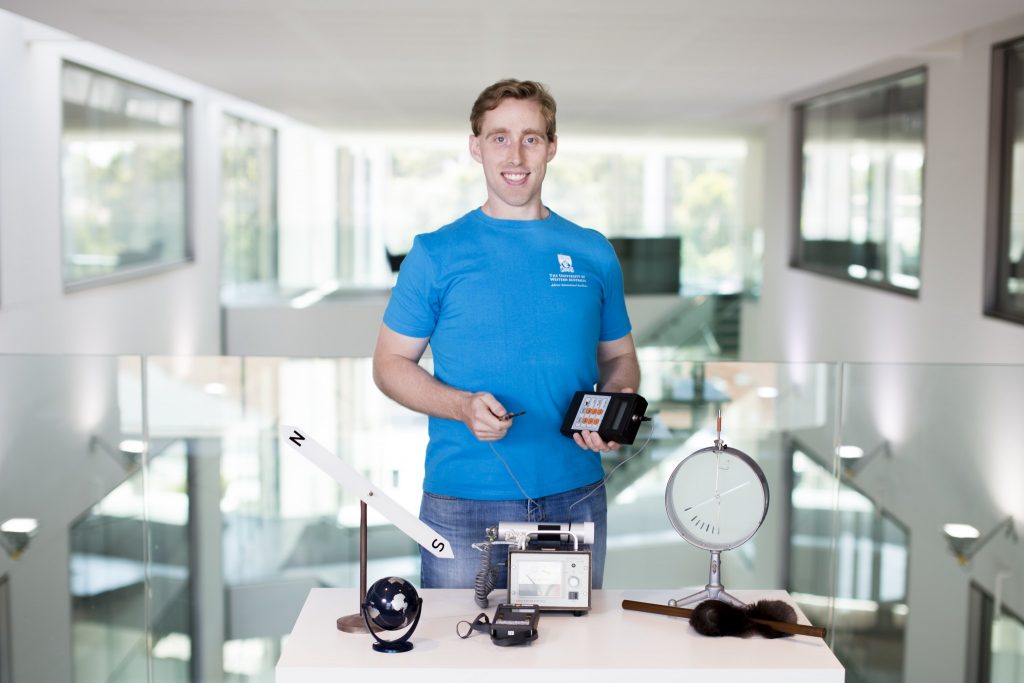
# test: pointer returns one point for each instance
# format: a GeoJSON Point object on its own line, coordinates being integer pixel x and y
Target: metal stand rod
{"type": "Point", "coordinates": [714, 590]}
{"type": "Point", "coordinates": [354, 623]}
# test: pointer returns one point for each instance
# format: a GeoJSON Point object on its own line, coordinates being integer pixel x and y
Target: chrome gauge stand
{"type": "Point", "coordinates": [714, 590]}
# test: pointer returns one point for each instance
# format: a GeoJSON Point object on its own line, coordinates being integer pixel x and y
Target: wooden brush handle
{"type": "Point", "coordinates": [783, 626]}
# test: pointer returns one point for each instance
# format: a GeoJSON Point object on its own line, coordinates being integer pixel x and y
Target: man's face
{"type": "Point", "coordinates": [514, 151]}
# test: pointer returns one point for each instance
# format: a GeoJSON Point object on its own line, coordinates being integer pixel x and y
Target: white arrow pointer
{"type": "Point", "coordinates": [357, 484]}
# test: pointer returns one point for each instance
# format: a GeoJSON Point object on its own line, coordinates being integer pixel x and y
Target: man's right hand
{"type": "Point", "coordinates": [482, 415]}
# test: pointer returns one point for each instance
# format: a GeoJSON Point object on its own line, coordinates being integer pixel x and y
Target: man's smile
{"type": "Point", "coordinates": [515, 177]}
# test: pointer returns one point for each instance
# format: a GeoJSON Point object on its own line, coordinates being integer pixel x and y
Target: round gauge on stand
{"type": "Point", "coordinates": [716, 499]}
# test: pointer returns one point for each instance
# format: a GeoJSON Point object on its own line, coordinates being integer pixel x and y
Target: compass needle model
{"type": "Point", "coordinates": [717, 497]}
{"type": "Point", "coordinates": [736, 485]}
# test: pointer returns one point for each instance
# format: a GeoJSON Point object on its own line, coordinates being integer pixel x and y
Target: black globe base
{"type": "Point", "coordinates": [396, 646]}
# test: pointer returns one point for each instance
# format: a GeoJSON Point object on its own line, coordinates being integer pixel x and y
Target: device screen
{"type": "Point", "coordinates": [540, 579]}
{"type": "Point", "coordinates": [619, 414]}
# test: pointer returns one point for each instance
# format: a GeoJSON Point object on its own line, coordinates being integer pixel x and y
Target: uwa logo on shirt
{"type": "Point", "coordinates": [566, 275]}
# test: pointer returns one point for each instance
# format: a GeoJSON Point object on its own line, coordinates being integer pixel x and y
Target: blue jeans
{"type": "Point", "coordinates": [464, 522]}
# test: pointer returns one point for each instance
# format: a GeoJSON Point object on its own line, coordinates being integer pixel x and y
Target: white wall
{"type": "Point", "coordinates": [172, 312]}
{"type": "Point", "coordinates": [955, 431]}
{"type": "Point", "coordinates": [175, 311]}
{"type": "Point", "coordinates": [802, 316]}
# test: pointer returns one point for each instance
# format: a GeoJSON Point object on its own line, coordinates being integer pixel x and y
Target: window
{"type": "Point", "coordinates": [123, 177]}
{"type": "Point", "coordinates": [995, 645]}
{"type": "Point", "coordinates": [422, 188]}
{"type": "Point", "coordinates": [248, 202]}
{"type": "Point", "coordinates": [648, 196]}
{"type": "Point", "coordinates": [1005, 247]}
{"type": "Point", "coordinates": [705, 190]}
{"type": "Point", "coordinates": [861, 173]}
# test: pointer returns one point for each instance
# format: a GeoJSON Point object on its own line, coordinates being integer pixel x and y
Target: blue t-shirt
{"type": "Point", "coordinates": [515, 308]}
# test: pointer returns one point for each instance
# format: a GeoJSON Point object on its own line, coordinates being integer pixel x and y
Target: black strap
{"type": "Point", "coordinates": [481, 623]}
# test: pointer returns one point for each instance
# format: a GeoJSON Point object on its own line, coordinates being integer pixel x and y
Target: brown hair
{"type": "Point", "coordinates": [493, 95]}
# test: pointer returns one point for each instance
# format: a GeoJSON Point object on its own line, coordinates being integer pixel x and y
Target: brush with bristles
{"type": "Point", "coordinates": [770, 618]}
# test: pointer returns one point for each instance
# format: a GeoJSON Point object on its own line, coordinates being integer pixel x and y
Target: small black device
{"type": "Point", "coordinates": [614, 416]}
{"type": "Point", "coordinates": [514, 624]}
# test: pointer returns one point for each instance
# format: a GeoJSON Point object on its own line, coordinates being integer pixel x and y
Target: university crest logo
{"type": "Point", "coordinates": [565, 264]}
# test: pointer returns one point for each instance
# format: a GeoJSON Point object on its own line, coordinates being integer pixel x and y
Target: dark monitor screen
{"type": "Point", "coordinates": [650, 265]}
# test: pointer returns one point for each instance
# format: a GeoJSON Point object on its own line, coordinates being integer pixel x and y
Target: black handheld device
{"type": "Point", "coordinates": [514, 624]}
{"type": "Point", "coordinates": [614, 416]}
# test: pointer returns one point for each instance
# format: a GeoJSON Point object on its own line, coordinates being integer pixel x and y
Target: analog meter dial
{"type": "Point", "coordinates": [717, 498]}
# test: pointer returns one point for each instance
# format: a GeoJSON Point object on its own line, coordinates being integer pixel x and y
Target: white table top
{"type": "Point", "coordinates": [608, 644]}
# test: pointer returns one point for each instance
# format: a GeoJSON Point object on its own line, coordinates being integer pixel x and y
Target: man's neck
{"type": "Point", "coordinates": [532, 212]}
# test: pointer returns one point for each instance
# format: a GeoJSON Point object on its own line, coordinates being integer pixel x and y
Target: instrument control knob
{"type": "Point", "coordinates": [574, 581]}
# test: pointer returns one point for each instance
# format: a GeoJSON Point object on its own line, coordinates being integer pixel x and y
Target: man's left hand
{"type": "Point", "coordinates": [592, 441]}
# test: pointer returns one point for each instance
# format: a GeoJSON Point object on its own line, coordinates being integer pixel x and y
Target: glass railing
{"type": "Point", "coordinates": [191, 560]}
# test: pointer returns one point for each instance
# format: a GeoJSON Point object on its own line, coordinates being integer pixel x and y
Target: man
{"type": "Point", "coordinates": [521, 309]}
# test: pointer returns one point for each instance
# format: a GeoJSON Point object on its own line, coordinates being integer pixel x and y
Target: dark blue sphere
{"type": "Point", "coordinates": [392, 603]}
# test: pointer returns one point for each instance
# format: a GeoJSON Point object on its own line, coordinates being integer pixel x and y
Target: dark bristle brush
{"type": "Point", "coordinates": [770, 618]}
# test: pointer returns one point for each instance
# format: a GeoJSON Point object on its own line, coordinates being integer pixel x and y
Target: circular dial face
{"type": "Point", "coordinates": [717, 499]}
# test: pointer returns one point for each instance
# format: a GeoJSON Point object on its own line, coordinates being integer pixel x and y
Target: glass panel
{"type": "Point", "coordinates": [863, 170]}
{"type": "Point", "coordinates": [269, 526]}
{"type": "Point", "coordinates": [64, 420]}
{"type": "Point", "coordinates": [109, 571]}
{"type": "Point", "coordinates": [284, 526]}
{"type": "Point", "coordinates": [110, 575]}
{"type": "Point", "coordinates": [123, 176]}
{"type": "Point", "coordinates": [868, 593]}
{"type": "Point", "coordinates": [761, 403]}
{"type": "Point", "coordinates": [939, 446]}
{"type": "Point", "coordinates": [194, 566]}
{"type": "Point", "coordinates": [248, 203]}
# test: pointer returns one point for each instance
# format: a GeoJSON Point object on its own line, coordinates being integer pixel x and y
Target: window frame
{"type": "Point", "coordinates": [6, 675]}
{"type": "Point", "coordinates": [998, 190]}
{"type": "Point", "coordinates": [188, 245]}
{"type": "Point", "coordinates": [797, 182]}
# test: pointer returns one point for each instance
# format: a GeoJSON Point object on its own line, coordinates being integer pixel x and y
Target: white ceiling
{"type": "Point", "coordinates": [645, 65]}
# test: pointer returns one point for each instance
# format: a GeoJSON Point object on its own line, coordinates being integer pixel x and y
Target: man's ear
{"type": "Point", "coordinates": [552, 147]}
{"type": "Point", "coordinates": [474, 148]}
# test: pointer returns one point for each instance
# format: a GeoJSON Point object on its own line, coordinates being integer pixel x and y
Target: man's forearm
{"type": "Point", "coordinates": [397, 372]}
{"type": "Point", "coordinates": [406, 382]}
{"type": "Point", "coordinates": [621, 372]}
